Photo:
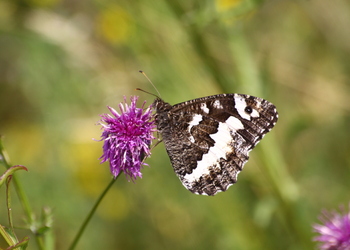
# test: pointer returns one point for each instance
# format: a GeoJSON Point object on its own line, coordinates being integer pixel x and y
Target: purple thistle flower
{"type": "Point", "coordinates": [335, 233]}
{"type": "Point", "coordinates": [127, 138]}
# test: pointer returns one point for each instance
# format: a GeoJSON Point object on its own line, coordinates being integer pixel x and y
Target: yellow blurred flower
{"type": "Point", "coordinates": [223, 5]}
{"type": "Point", "coordinates": [231, 11]}
{"type": "Point", "coordinates": [114, 24]}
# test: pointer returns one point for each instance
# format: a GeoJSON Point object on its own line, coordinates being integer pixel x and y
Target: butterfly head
{"type": "Point", "coordinates": [162, 113]}
{"type": "Point", "coordinates": [161, 106]}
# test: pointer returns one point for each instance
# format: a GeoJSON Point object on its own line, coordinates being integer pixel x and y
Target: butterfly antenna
{"type": "Point", "coordinates": [143, 73]}
{"type": "Point", "coordinates": [147, 92]}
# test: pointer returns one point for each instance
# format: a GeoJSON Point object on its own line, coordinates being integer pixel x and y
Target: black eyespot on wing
{"type": "Point", "coordinates": [248, 110]}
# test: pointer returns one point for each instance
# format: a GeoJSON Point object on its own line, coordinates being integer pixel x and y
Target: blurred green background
{"type": "Point", "coordinates": [62, 62]}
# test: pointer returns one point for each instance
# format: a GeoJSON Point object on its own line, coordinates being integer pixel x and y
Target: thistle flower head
{"type": "Point", "coordinates": [127, 138]}
{"type": "Point", "coordinates": [335, 231]}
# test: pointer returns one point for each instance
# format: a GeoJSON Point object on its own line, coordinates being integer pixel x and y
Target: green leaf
{"type": "Point", "coordinates": [22, 245]}
{"type": "Point", "coordinates": [7, 235]}
{"type": "Point", "coordinates": [10, 171]}
{"type": "Point", "coordinates": [42, 230]}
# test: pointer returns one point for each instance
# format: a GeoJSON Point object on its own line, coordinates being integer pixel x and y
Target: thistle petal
{"type": "Point", "coordinates": [127, 137]}
{"type": "Point", "coordinates": [335, 233]}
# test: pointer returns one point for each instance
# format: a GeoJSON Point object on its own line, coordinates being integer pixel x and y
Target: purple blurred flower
{"type": "Point", "coordinates": [335, 233]}
{"type": "Point", "coordinates": [127, 138]}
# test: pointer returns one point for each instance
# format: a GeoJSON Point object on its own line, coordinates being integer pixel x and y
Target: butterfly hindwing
{"type": "Point", "coordinates": [208, 139]}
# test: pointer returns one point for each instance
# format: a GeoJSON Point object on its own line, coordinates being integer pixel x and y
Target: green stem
{"type": "Point", "coordinates": [21, 195]}
{"type": "Point", "coordinates": [23, 199]}
{"type": "Point", "coordinates": [9, 210]}
{"type": "Point", "coordinates": [92, 212]}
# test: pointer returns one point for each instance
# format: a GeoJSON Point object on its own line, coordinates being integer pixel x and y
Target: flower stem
{"type": "Point", "coordinates": [92, 212]}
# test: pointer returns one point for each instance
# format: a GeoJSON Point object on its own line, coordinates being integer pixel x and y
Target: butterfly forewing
{"type": "Point", "coordinates": [208, 139]}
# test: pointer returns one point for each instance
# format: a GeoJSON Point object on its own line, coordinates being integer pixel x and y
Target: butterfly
{"type": "Point", "coordinates": [208, 139]}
